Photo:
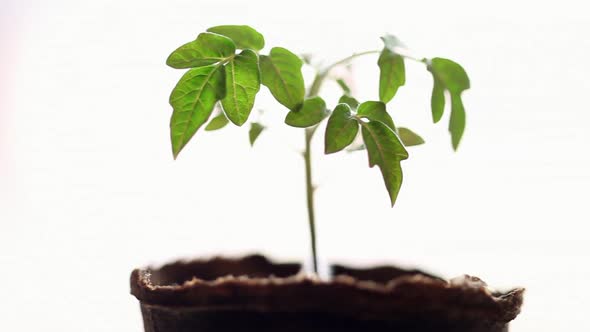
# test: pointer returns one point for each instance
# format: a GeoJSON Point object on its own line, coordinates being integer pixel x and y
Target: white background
{"type": "Point", "coordinates": [89, 189]}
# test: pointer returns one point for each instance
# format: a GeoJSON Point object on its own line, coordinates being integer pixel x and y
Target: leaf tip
{"type": "Point", "coordinates": [170, 61]}
{"type": "Point", "coordinates": [392, 198]}
{"type": "Point", "coordinates": [327, 149]}
{"type": "Point", "coordinates": [455, 140]}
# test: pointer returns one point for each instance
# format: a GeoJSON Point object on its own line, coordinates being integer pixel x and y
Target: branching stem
{"type": "Point", "coordinates": [309, 186]}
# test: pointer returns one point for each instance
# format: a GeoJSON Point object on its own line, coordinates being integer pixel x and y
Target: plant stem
{"type": "Point", "coordinates": [347, 59]}
{"type": "Point", "coordinates": [309, 186]}
{"type": "Point", "coordinates": [319, 79]}
{"type": "Point", "coordinates": [310, 191]}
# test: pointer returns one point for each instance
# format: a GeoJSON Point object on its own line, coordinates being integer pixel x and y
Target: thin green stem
{"type": "Point", "coordinates": [309, 132]}
{"type": "Point", "coordinates": [317, 83]}
{"type": "Point", "coordinates": [309, 186]}
{"type": "Point", "coordinates": [406, 54]}
{"type": "Point", "coordinates": [310, 191]}
{"type": "Point", "coordinates": [348, 59]}
{"type": "Point", "coordinates": [319, 79]}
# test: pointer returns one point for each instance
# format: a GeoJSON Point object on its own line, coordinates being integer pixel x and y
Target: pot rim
{"type": "Point", "coordinates": [283, 288]}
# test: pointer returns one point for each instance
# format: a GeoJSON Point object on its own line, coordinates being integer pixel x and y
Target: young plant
{"type": "Point", "coordinates": [227, 69]}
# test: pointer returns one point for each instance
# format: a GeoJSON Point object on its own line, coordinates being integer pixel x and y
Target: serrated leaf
{"type": "Point", "coordinates": [193, 100]}
{"type": "Point", "coordinates": [392, 74]}
{"type": "Point", "coordinates": [244, 36]}
{"type": "Point", "coordinates": [376, 111]}
{"type": "Point", "coordinates": [345, 88]}
{"type": "Point", "coordinates": [452, 76]}
{"type": "Point", "coordinates": [207, 49]}
{"type": "Point", "coordinates": [437, 101]}
{"type": "Point", "coordinates": [457, 120]}
{"type": "Point", "coordinates": [350, 101]}
{"type": "Point", "coordinates": [341, 129]}
{"type": "Point", "coordinates": [255, 130]}
{"type": "Point", "coordinates": [311, 113]}
{"type": "Point", "coordinates": [408, 137]}
{"type": "Point", "coordinates": [281, 74]}
{"type": "Point", "coordinates": [242, 83]}
{"type": "Point", "coordinates": [386, 151]}
{"type": "Point", "coordinates": [217, 122]}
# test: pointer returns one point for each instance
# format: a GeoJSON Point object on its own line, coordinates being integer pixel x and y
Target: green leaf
{"type": "Point", "coordinates": [408, 137]}
{"type": "Point", "coordinates": [207, 49]}
{"type": "Point", "coordinates": [376, 111]}
{"type": "Point", "coordinates": [437, 101]}
{"type": "Point", "coordinates": [452, 76]}
{"type": "Point", "coordinates": [281, 74]}
{"type": "Point", "coordinates": [386, 151]}
{"type": "Point", "coordinates": [244, 36]}
{"type": "Point", "coordinates": [311, 113]}
{"type": "Point", "coordinates": [345, 88]}
{"type": "Point", "coordinates": [242, 83]}
{"type": "Point", "coordinates": [255, 130]}
{"type": "Point", "coordinates": [392, 74]}
{"type": "Point", "coordinates": [193, 100]}
{"type": "Point", "coordinates": [217, 122]}
{"type": "Point", "coordinates": [382, 144]}
{"type": "Point", "coordinates": [341, 129]}
{"type": "Point", "coordinates": [457, 121]}
{"type": "Point", "coordinates": [350, 101]}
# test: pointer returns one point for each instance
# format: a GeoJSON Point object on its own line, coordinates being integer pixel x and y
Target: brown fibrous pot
{"type": "Point", "coordinates": [254, 294]}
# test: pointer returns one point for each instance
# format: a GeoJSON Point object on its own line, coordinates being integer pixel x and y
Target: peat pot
{"type": "Point", "coordinates": [254, 294]}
